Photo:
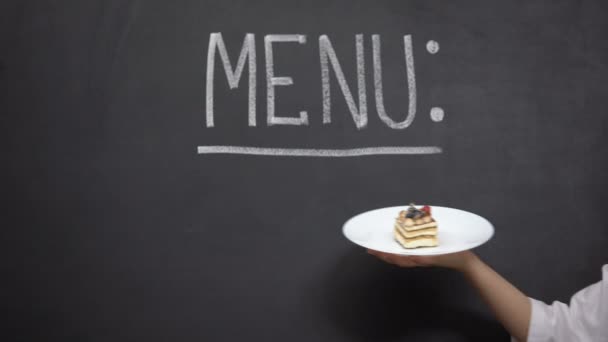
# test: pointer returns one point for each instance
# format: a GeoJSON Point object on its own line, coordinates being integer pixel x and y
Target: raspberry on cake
{"type": "Point", "coordinates": [416, 228]}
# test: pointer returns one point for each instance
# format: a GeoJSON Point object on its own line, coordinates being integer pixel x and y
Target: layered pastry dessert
{"type": "Point", "coordinates": [416, 228]}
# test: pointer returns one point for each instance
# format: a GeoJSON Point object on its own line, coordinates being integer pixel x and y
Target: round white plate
{"type": "Point", "coordinates": [458, 230]}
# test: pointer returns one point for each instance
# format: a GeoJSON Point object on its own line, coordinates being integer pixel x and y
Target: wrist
{"type": "Point", "coordinates": [468, 263]}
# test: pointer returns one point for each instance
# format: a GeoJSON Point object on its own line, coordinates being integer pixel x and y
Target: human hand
{"type": "Point", "coordinates": [458, 261]}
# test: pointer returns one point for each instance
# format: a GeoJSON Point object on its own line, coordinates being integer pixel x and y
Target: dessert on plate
{"type": "Point", "coordinates": [416, 227]}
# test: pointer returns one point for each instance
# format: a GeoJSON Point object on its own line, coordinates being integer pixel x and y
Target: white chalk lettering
{"type": "Point", "coordinates": [328, 60]}
{"type": "Point", "coordinates": [411, 83]}
{"type": "Point", "coordinates": [272, 81]}
{"type": "Point", "coordinates": [327, 53]}
{"type": "Point", "coordinates": [247, 52]}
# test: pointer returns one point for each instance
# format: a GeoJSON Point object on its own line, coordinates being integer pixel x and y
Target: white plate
{"type": "Point", "coordinates": [458, 230]}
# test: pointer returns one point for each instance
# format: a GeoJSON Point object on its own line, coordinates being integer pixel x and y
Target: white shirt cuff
{"type": "Point", "coordinates": [540, 329]}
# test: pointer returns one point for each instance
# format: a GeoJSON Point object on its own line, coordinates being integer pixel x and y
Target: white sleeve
{"type": "Point", "coordinates": [580, 321]}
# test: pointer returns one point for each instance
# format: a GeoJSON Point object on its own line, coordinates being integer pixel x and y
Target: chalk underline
{"type": "Point", "coordinates": [309, 152]}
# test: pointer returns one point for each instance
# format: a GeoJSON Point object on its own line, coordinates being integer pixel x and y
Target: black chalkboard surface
{"type": "Point", "coordinates": [180, 171]}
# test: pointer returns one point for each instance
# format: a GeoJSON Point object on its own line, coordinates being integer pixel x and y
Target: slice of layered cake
{"type": "Point", "coordinates": [416, 228]}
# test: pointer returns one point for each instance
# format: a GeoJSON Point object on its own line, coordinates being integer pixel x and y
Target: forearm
{"type": "Point", "coordinates": [510, 306]}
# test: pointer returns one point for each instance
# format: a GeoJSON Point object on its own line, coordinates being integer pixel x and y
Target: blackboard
{"type": "Point", "coordinates": [118, 226]}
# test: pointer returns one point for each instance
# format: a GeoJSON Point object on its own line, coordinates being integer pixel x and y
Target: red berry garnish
{"type": "Point", "coordinates": [426, 209]}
